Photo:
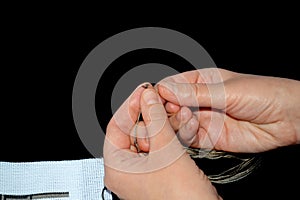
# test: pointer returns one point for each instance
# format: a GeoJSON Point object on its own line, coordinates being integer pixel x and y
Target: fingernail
{"type": "Point", "coordinates": [150, 97]}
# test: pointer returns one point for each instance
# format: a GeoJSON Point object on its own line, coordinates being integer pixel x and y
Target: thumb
{"type": "Point", "coordinates": [159, 130]}
{"type": "Point", "coordinates": [164, 147]}
{"type": "Point", "coordinates": [194, 94]}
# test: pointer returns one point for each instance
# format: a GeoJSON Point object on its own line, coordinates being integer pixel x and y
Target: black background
{"type": "Point", "coordinates": [41, 54]}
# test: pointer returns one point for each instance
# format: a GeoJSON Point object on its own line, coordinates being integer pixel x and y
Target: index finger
{"type": "Point", "coordinates": [124, 119]}
{"type": "Point", "coordinates": [205, 75]}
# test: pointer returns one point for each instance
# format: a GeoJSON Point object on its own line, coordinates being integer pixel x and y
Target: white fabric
{"type": "Point", "coordinates": [83, 179]}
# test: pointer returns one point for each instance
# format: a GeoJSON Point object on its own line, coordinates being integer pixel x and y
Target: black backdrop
{"type": "Point", "coordinates": [41, 56]}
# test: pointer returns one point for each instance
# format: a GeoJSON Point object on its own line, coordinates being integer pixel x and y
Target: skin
{"type": "Point", "coordinates": [166, 182]}
{"type": "Point", "coordinates": [257, 114]}
{"type": "Point", "coordinates": [260, 113]}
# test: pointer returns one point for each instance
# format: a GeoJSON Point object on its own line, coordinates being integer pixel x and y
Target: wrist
{"type": "Point", "coordinates": [293, 114]}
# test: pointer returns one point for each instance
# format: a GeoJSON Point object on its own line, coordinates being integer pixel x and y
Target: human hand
{"type": "Point", "coordinates": [167, 172]}
{"type": "Point", "coordinates": [237, 112]}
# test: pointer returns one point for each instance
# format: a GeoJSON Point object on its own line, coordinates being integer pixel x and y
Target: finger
{"type": "Point", "coordinates": [196, 95]}
{"type": "Point", "coordinates": [124, 119]}
{"type": "Point", "coordinates": [162, 100]}
{"type": "Point", "coordinates": [126, 116]}
{"type": "Point", "coordinates": [139, 137]}
{"type": "Point", "coordinates": [171, 107]}
{"type": "Point", "coordinates": [164, 146]}
{"type": "Point", "coordinates": [180, 118]}
{"type": "Point", "coordinates": [211, 129]}
{"type": "Point", "coordinates": [159, 129]}
{"type": "Point", "coordinates": [142, 138]}
{"type": "Point", "coordinates": [188, 133]}
{"type": "Point", "coordinates": [205, 75]}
